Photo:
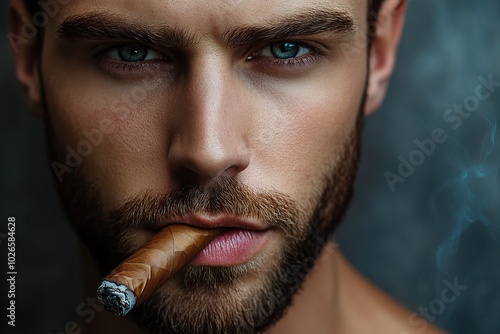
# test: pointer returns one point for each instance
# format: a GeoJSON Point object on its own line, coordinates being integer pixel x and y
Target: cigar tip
{"type": "Point", "coordinates": [116, 298]}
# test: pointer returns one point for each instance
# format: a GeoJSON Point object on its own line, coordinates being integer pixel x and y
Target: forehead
{"type": "Point", "coordinates": [201, 17]}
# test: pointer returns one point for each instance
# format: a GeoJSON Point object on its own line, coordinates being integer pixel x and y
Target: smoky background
{"type": "Point", "coordinates": [413, 239]}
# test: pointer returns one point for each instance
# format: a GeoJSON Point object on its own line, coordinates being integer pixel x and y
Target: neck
{"type": "Point", "coordinates": [315, 308]}
{"type": "Point", "coordinates": [336, 299]}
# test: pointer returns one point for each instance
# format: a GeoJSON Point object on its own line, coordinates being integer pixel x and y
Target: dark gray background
{"type": "Point", "coordinates": [391, 237]}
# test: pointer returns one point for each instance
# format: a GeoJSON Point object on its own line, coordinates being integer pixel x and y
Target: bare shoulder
{"type": "Point", "coordinates": [367, 309]}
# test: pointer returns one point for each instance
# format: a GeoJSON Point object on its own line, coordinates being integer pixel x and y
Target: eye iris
{"type": "Point", "coordinates": [285, 50]}
{"type": "Point", "coordinates": [133, 53]}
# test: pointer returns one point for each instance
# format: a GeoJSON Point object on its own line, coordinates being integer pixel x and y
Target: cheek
{"type": "Point", "coordinates": [310, 125]}
{"type": "Point", "coordinates": [107, 123]}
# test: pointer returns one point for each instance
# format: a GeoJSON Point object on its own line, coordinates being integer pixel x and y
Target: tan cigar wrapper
{"type": "Point", "coordinates": [160, 258]}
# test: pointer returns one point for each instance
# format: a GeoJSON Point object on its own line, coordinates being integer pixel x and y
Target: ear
{"type": "Point", "coordinates": [389, 27]}
{"type": "Point", "coordinates": [23, 39]}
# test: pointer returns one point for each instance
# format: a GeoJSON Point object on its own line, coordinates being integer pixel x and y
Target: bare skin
{"type": "Point", "coordinates": [224, 107]}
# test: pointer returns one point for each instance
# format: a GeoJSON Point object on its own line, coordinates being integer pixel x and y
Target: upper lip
{"type": "Point", "coordinates": [216, 222]}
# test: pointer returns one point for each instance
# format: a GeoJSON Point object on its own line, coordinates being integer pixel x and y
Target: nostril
{"type": "Point", "coordinates": [198, 164]}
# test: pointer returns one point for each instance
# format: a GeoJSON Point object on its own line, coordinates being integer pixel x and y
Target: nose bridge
{"type": "Point", "coordinates": [208, 139]}
{"type": "Point", "coordinates": [209, 97]}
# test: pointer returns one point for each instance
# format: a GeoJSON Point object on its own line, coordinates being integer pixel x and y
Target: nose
{"type": "Point", "coordinates": [208, 138]}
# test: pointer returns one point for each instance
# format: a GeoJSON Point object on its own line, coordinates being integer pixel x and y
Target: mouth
{"type": "Point", "coordinates": [240, 241]}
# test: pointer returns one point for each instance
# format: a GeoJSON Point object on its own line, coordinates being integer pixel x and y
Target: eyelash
{"type": "Point", "coordinates": [119, 66]}
{"type": "Point", "coordinates": [314, 54]}
{"type": "Point", "coordinates": [115, 66]}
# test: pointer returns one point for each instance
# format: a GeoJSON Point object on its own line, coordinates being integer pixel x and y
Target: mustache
{"type": "Point", "coordinates": [225, 196]}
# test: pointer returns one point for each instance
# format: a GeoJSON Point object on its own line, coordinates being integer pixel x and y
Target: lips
{"type": "Point", "coordinates": [241, 240]}
{"type": "Point", "coordinates": [232, 247]}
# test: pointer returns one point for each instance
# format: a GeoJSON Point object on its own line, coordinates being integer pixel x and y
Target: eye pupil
{"type": "Point", "coordinates": [285, 50]}
{"type": "Point", "coordinates": [133, 53]}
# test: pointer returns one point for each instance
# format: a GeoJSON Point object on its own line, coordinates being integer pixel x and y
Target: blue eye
{"type": "Point", "coordinates": [285, 50]}
{"type": "Point", "coordinates": [133, 53]}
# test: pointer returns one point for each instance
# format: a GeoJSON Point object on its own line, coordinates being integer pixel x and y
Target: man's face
{"type": "Point", "coordinates": [167, 110]}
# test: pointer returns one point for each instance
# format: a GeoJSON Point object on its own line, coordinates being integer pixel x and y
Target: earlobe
{"type": "Point", "coordinates": [26, 52]}
{"type": "Point", "coordinates": [384, 45]}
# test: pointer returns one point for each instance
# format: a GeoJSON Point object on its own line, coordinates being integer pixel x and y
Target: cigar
{"type": "Point", "coordinates": [136, 278]}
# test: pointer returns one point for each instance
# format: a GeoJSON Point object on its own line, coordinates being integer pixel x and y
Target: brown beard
{"type": "Point", "coordinates": [216, 299]}
{"type": "Point", "coordinates": [212, 301]}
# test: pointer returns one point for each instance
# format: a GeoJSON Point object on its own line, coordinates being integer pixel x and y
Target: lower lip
{"type": "Point", "coordinates": [232, 247]}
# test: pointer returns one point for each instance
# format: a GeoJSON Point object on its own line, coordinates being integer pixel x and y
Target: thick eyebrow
{"type": "Point", "coordinates": [99, 26]}
{"type": "Point", "coordinates": [305, 23]}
